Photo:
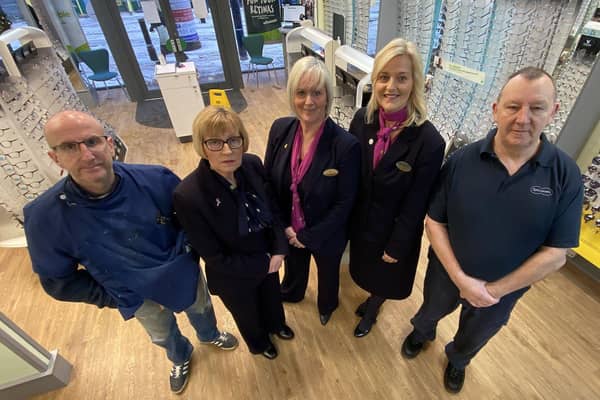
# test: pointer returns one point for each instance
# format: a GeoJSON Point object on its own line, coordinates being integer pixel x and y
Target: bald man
{"type": "Point", "coordinates": [116, 220]}
{"type": "Point", "coordinates": [504, 213]}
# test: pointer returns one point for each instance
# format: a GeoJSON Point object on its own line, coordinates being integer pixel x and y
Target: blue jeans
{"type": "Point", "coordinates": [161, 325]}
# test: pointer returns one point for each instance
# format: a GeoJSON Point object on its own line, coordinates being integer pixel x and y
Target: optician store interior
{"type": "Point", "coordinates": [163, 61]}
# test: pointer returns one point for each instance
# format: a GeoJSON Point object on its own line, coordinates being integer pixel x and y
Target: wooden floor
{"type": "Point", "coordinates": [549, 350]}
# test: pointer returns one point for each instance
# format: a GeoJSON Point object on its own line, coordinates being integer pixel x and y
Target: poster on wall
{"type": "Point", "coordinates": [262, 15]}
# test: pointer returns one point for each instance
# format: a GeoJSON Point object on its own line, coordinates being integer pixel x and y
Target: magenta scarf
{"type": "Point", "coordinates": [299, 169]}
{"type": "Point", "coordinates": [383, 135]}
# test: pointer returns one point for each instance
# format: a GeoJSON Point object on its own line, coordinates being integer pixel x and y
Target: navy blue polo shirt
{"type": "Point", "coordinates": [496, 221]}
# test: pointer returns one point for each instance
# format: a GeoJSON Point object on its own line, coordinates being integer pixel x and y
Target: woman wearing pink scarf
{"type": "Point", "coordinates": [313, 166]}
{"type": "Point", "coordinates": [402, 153]}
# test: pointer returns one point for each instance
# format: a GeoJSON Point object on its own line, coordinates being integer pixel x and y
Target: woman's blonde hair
{"type": "Point", "coordinates": [317, 72]}
{"type": "Point", "coordinates": [213, 121]}
{"type": "Point", "coordinates": [417, 107]}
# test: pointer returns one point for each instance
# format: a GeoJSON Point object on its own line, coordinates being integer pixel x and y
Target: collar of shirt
{"type": "Point", "coordinates": [543, 157]}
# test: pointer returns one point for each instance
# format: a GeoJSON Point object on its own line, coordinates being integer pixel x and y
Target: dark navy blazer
{"type": "Point", "coordinates": [327, 191]}
{"type": "Point", "coordinates": [208, 212]}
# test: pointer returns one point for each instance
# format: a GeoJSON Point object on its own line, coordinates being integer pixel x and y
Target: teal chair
{"type": "Point", "coordinates": [97, 61]}
{"type": "Point", "coordinates": [254, 45]}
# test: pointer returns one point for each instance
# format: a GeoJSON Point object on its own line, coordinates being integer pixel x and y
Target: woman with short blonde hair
{"type": "Point", "coordinates": [228, 216]}
{"type": "Point", "coordinates": [313, 166]}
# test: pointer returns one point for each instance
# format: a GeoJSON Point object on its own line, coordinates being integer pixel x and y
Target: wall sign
{"type": "Point", "coordinates": [262, 15]}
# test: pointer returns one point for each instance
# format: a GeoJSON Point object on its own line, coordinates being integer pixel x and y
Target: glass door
{"type": "Point", "coordinates": [136, 40]}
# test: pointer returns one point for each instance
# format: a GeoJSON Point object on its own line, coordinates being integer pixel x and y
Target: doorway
{"type": "Point", "coordinates": [122, 24]}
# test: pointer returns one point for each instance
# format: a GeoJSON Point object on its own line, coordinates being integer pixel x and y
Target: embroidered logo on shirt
{"type": "Point", "coordinates": [330, 172]}
{"type": "Point", "coordinates": [541, 191]}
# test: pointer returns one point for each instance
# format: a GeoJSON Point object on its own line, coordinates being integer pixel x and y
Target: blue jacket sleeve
{"type": "Point", "coordinates": [78, 287]}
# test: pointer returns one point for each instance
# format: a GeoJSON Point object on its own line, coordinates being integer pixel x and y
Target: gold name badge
{"type": "Point", "coordinates": [403, 166]}
{"type": "Point", "coordinates": [331, 172]}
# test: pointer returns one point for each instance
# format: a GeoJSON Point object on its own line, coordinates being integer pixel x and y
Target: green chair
{"type": "Point", "coordinates": [97, 61]}
{"type": "Point", "coordinates": [254, 45]}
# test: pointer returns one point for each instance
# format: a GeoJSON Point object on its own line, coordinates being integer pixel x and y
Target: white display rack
{"type": "Point", "coordinates": [33, 87]}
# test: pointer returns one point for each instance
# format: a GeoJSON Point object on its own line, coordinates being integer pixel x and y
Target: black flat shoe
{"type": "Point", "coordinates": [324, 318]}
{"type": "Point", "coordinates": [270, 352]}
{"type": "Point", "coordinates": [364, 327]}
{"type": "Point", "coordinates": [285, 333]}
{"type": "Point", "coordinates": [361, 309]}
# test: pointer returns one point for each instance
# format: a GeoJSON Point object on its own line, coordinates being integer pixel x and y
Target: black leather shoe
{"type": "Point", "coordinates": [364, 327]}
{"type": "Point", "coordinates": [411, 346]}
{"type": "Point", "coordinates": [454, 378]}
{"type": "Point", "coordinates": [285, 333]}
{"type": "Point", "coordinates": [361, 309]}
{"type": "Point", "coordinates": [324, 318]}
{"type": "Point", "coordinates": [270, 352]}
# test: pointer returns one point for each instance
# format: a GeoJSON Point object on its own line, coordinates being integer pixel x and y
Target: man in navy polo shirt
{"type": "Point", "coordinates": [504, 213]}
{"type": "Point", "coordinates": [117, 221]}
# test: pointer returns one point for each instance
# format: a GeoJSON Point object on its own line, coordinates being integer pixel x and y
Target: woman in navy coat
{"type": "Point", "coordinates": [313, 166]}
{"type": "Point", "coordinates": [225, 209]}
{"type": "Point", "coordinates": [402, 153]}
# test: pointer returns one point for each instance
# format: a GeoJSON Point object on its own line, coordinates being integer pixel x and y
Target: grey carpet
{"type": "Point", "coordinates": [154, 113]}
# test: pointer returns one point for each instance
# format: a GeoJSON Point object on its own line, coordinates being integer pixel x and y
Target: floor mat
{"type": "Point", "coordinates": [154, 113]}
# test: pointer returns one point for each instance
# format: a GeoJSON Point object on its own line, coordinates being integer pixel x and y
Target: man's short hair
{"type": "Point", "coordinates": [530, 74]}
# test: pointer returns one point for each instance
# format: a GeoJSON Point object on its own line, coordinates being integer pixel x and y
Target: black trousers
{"type": "Point", "coordinates": [257, 312]}
{"type": "Point", "coordinates": [295, 279]}
{"type": "Point", "coordinates": [476, 326]}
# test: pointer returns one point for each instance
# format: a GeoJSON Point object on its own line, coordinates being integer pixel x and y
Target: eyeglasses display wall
{"type": "Point", "coordinates": [416, 23]}
{"type": "Point", "coordinates": [489, 40]}
{"type": "Point", "coordinates": [33, 87]}
{"type": "Point", "coordinates": [355, 15]}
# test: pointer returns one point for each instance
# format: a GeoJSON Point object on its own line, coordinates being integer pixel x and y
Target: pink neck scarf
{"type": "Point", "coordinates": [299, 169]}
{"type": "Point", "coordinates": [383, 135]}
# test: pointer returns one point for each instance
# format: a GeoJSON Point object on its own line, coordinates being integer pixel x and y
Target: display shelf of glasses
{"type": "Point", "coordinates": [415, 23]}
{"type": "Point", "coordinates": [589, 239]}
{"type": "Point", "coordinates": [492, 39]}
{"type": "Point", "coordinates": [352, 83]}
{"type": "Point", "coordinates": [33, 87]}
{"type": "Point", "coordinates": [343, 8]}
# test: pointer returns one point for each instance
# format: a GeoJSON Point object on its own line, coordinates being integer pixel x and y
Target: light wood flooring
{"type": "Point", "coordinates": [549, 350]}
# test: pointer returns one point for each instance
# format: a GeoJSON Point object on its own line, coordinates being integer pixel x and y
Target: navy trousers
{"type": "Point", "coordinates": [295, 279]}
{"type": "Point", "coordinates": [257, 312]}
{"type": "Point", "coordinates": [476, 326]}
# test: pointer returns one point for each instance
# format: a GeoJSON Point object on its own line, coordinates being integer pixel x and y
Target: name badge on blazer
{"type": "Point", "coordinates": [403, 166]}
{"type": "Point", "coordinates": [331, 172]}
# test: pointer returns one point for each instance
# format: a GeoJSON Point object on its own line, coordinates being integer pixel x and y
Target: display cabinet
{"type": "Point", "coordinates": [33, 87]}
{"type": "Point", "coordinates": [352, 84]}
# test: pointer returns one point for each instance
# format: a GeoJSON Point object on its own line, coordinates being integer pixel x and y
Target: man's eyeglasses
{"type": "Point", "coordinates": [234, 142]}
{"type": "Point", "coordinates": [71, 148]}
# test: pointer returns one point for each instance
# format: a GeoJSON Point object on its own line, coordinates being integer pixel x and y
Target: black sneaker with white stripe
{"type": "Point", "coordinates": [179, 376]}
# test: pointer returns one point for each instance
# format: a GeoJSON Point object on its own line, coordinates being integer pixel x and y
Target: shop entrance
{"type": "Point", "coordinates": [135, 44]}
